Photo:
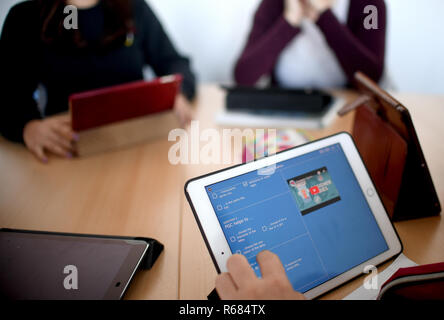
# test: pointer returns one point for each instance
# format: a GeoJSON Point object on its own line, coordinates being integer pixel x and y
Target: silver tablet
{"type": "Point", "coordinates": [315, 206]}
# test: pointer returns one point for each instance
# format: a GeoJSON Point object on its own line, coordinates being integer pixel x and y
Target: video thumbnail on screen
{"type": "Point", "coordinates": [313, 190]}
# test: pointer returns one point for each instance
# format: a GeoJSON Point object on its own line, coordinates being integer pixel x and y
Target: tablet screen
{"type": "Point", "coordinates": [34, 266]}
{"type": "Point", "coordinates": [310, 211]}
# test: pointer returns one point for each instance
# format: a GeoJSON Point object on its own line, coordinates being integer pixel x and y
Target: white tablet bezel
{"type": "Point", "coordinates": [214, 236]}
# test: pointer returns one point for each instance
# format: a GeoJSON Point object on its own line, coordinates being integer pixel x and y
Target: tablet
{"type": "Point", "coordinates": [278, 101]}
{"type": "Point", "coordinates": [117, 103]}
{"type": "Point", "coordinates": [315, 206]}
{"type": "Point", "coordinates": [278, 108]}
{"type": "Point", "coordinates": [39, 266]}
{"type": "Point", "coordinates": [408, 178]}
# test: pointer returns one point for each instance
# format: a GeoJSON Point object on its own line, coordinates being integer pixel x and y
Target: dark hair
{"type": "Point", "coordinates": [117, 23]}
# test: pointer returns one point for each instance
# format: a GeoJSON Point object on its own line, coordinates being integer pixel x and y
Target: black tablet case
{"type": "Point", "coordinates": [274, 100]}
{"type": "Point", "coordinates": [155, 248]}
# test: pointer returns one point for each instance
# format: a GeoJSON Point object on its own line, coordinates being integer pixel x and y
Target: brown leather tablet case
{"type": "Point", "coordinates": [386, 139]}
{"type": "Point", "coordinates": [385, 159]}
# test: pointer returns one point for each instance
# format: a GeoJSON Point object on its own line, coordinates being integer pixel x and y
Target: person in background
{"type": "Point", "coordinates": [241, 283]}
{"type": "Point", "coordinates": [115, 39]}
{"type": "Point", "coordinates": [313, 43]}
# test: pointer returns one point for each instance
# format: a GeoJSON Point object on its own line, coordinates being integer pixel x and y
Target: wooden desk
{"type": "Point", "coordinates": [136, 192]}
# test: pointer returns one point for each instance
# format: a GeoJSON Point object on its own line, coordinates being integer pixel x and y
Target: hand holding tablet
{"type": "Point", "coordinates": [241, 283]}
{"type": "Point", "coordinates": [318, 210]}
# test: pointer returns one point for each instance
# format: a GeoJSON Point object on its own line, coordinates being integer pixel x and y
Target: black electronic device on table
{"type": "Point", "coordinates": [41, 265]}
{"type": "Point", "coordinates": [275, 100]}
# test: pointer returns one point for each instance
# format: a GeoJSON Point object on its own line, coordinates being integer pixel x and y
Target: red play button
{"type": "Point", "coordinates": [314, 190]}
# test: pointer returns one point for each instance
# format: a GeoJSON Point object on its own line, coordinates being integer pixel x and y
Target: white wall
{"type": "Point", "coordinates": [212, 33]}
{"type": "Point", "coordinates": [415, 55]}
{"type": "Point", "coordinates": [4, 8]}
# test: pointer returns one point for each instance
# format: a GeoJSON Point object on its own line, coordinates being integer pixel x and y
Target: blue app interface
{"type": "Point", "coordinates": [310, 211]}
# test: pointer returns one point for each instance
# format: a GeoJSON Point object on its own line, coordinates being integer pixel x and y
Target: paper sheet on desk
{"type": "Point", "coordinates": [371, 294]}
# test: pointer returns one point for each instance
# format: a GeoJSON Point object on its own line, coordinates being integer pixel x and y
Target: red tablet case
{"type": "Point", "coordinates": [415, 283]}
{"type": "Point", "coordinates": [108, 105]}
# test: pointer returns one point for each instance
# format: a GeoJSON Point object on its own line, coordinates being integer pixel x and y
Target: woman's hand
{"type": "Point", "coordinates": [314, 8]}
{"type": "Point", "coordinates": [293, 12]}
{"type": "Point", "coordinates": [183, 111]}
{"type": "Point", "coordinates": [296, 10]}
{"type": "Point", "coordinates": [52, 134]}
{"type": "Point", "coordinates": [241, 283]}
